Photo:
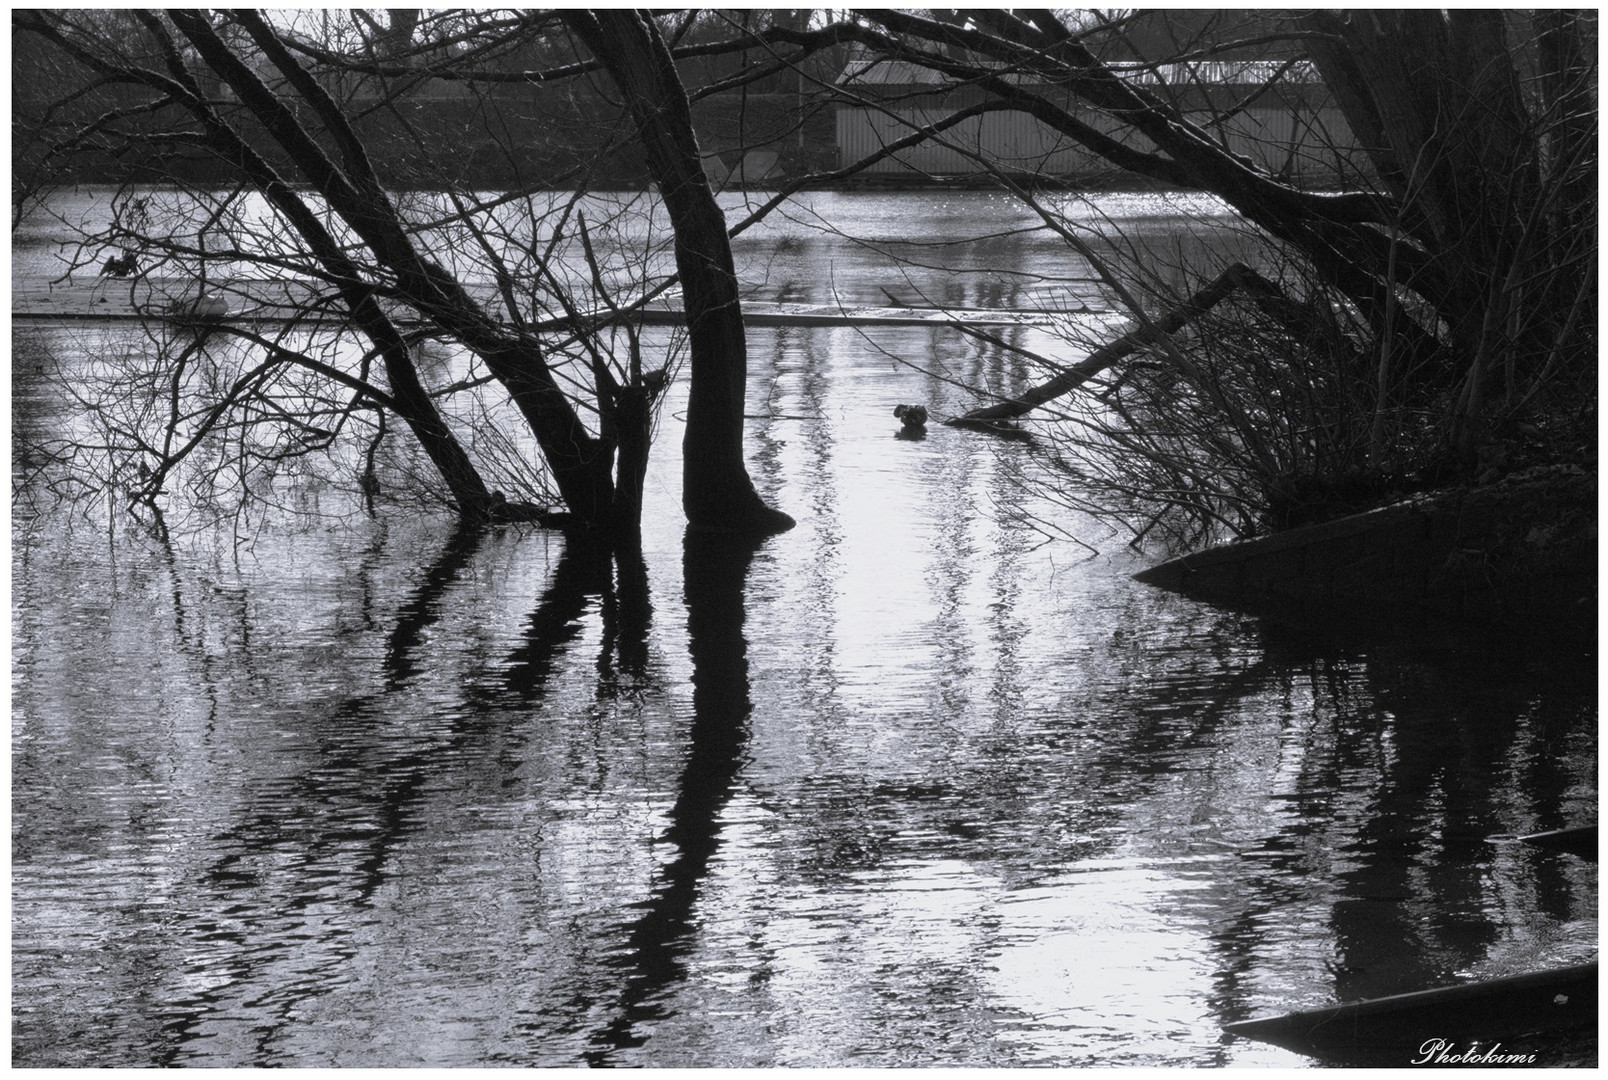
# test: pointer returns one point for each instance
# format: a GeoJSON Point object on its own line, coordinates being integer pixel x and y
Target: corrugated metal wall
{"type": "Point", "coordinates": [1275, 137]}
{"type": "Point", "coordinates": [1014, 140]}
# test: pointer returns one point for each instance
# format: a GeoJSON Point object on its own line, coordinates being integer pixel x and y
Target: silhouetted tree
{"type": "Point", "coordinates": [1445, 293]}
{"type": "Point", "coordinates": [277, 117]}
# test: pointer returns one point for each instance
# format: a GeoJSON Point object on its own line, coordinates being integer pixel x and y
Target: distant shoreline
{"type": "Point", "coordinates": [866, 182]}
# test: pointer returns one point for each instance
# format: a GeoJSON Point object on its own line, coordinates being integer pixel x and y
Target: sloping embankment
{"type": "Point", "coordinates": [1523, 548]}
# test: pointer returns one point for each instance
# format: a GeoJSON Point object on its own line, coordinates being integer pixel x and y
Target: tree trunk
{"type": "Point", "coordinates": [1568, 83]}
{"type": "Point", "coordinates": [1439, 88]}
{"type": "Point", "coordinates": [411, 400]}
{"type": "Point", "coordinates": [581, 464]}
{"type": "Point", "coordinates": [716, 490]}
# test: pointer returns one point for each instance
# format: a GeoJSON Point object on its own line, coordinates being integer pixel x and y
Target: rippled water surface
{"type": "Point", "coordinates": [911, 784]}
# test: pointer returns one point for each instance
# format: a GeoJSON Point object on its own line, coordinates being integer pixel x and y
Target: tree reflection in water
{"type": "Point", "coordinates": [1414, 758]}
{"type": "Point", "coordinates": [370, 793]}
{"type": "Point", "coordinates": [714, 567]}
{"type": "Point", "coordinates": [364, 776]}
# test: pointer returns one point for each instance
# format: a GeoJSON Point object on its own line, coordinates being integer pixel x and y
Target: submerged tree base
{"type": "Point", "coordinates": [757, 522]}
{"type": "Point", "coordinates": [501, 512]}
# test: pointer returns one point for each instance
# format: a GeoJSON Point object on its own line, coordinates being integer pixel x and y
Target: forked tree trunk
{"type": "Point", "coordinates": [408, 396]}
{"type": "Point", "coordinates": [1438, 100]}
{"type": "Point", "coordinates": [716, 490]}
{"type": "Point", "coordinates": [580, 463]}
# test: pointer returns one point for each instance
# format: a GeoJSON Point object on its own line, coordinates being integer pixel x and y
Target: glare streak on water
{"type": "Point", "coordinates": [949, 794]}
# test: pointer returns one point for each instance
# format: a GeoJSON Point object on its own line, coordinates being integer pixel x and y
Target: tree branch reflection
{"type": "Point", "coordinates": [334, 828]}
{"type": "Point", "coordinates": [423, 608]}
{"type": "Point", "coordinates": [714, 569]}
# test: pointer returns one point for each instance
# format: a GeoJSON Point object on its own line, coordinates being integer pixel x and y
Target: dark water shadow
{"type": "Point", "coordinates": [714, 569]}
{"type": "Point", "coordinates": [423, 608]}
{"type": "Point", "coordinates": [1433, 720]}
{"type": "Point", "coordinates": [342, 821]}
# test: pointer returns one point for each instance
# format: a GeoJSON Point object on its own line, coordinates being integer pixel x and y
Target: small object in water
{"type": "Point", "coordinates": [914, 417]}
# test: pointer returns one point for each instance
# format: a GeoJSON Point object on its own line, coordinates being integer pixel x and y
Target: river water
{"type": "Point", "coordinates": [916, 783]}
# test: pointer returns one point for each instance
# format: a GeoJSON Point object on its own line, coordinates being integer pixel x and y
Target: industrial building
{"type": "Point", "coordinates": [1276, 114]}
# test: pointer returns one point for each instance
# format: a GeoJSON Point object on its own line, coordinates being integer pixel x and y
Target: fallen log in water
{"type": "Point", "coordinates": [253, 301]}
{"type": "Point", "coordinates": [1410, 1029]}
{"type": "Point", "coordinates": [1238, 276]}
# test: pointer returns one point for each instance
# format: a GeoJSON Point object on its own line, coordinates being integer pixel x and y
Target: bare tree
{"type": "Point", "coordinates": [716, 488]}
{"type": "Point", "coordinates": [464, 267]}
{"type": "Point", "coordinates": [1409, 324]}
{"type": "Point", "coordinates": [1428, 314]}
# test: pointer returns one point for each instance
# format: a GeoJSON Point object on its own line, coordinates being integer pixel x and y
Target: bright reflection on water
{"type": "Point", "coordinates": [905, 786]}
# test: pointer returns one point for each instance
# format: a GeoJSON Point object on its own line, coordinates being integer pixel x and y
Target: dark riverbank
{"type": "Point", "coordinates": [1520, 552]}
